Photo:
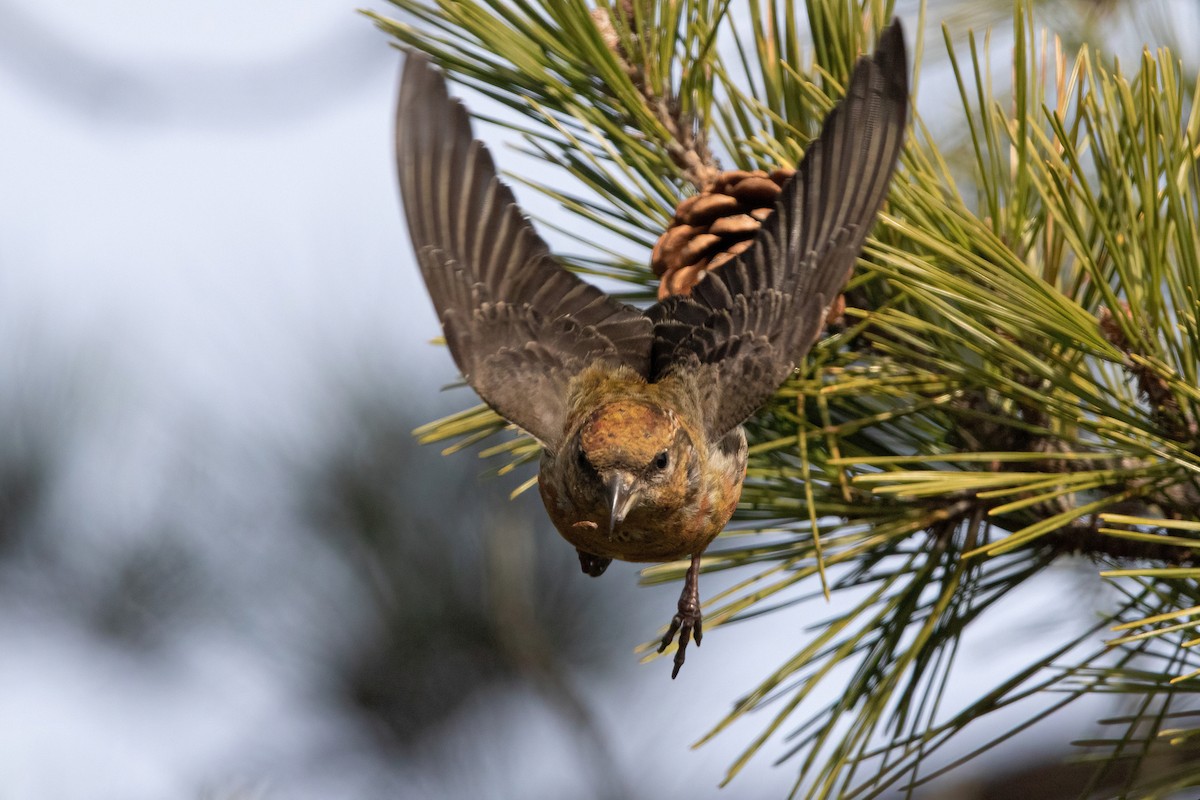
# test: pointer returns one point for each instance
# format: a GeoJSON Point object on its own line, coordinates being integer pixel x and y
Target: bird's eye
{"type": "Point", "coordinates": [661, 460]}
{"type": "Point", "coordinates": [582, 458]}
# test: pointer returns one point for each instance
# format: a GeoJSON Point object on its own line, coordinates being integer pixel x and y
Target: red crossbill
{"type": "Point", "coordinates": [639, 413]}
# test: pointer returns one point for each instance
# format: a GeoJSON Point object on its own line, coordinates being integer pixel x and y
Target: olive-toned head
{"type": "Point", "coordinates": [632, 455]}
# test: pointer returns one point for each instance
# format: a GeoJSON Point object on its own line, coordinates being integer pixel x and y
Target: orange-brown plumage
{"type": "Point", "coordinates": [640, 412]}
{"type": "Point", "coordinates": [619, 423]}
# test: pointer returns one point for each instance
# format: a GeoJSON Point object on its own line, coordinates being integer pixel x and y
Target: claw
{"type": "Point", "coordinates": [688, 621]}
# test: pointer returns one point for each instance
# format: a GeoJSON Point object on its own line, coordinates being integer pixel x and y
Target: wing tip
{"type": "Point", "coordinates": [428, 118]}
{"type": "Point", "coordinates": [891, 58]}
{"type": "Point", "coordinates": [420, 83]}
{"type": "Point", "coordinates": [886, 70]}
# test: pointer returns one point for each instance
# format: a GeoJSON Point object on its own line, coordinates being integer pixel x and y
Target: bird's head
{"type": "Point", "coordinates": [632, 455]}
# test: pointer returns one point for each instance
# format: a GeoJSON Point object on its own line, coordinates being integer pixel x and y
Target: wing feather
{"type": "Point", "coordinates": [744, 327]}
{"type": "Point", "coordinates": [518, 325]}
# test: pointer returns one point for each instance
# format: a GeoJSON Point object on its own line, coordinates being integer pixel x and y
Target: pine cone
{"type": "Point", "coordinates": [713, 227]}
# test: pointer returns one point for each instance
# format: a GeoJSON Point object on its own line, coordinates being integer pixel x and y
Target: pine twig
{"type": "Point", "coordinates": [687, 144]}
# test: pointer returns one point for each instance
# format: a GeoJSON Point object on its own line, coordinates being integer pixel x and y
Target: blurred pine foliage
{"type": "Point", "coordinates": [1015, 380]}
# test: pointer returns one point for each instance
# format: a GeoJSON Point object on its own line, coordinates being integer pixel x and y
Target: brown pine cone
{"type": "Point", "coordinates": [713, 227]}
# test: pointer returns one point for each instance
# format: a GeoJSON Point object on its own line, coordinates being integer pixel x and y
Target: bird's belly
{"type": "Point", "coordinates": [638, 542]}
{"type": "Point", "coordinates": [647, 534]}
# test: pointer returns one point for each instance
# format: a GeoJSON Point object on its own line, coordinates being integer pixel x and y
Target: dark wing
{"type": "Point", "coordinates": [746, 325]}
{"type": "Point", "coordinates": [517, 323]}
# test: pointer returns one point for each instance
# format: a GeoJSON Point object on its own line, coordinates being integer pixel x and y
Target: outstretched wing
{"type": "Point", "coordinates": [518, 325]}
{"type": "Point", "coordinates": [746, 325]}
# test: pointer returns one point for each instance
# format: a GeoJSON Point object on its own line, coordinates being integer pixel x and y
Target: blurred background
{"type": "Point", "coordinates": [226, 569]}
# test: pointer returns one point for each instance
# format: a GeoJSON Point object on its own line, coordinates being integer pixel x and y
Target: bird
{"type": "Point", "coordinates": [640, 412]}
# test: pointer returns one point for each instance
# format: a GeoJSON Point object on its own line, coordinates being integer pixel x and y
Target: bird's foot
{"type": "Point", "coordinates": [593, 565]}
{"type": "Point", "coordinates": [688, 621]}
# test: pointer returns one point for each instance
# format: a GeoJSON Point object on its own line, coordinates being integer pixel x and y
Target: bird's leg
{"type": "Point", "coordinates": [687, 621]}
{"type": "Point", "coordinates": [593, 565]}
